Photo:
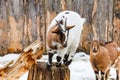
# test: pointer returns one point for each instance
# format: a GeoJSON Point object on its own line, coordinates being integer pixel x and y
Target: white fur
{"type": "Point", "coordinates": [55, 43]}
{"type": "Point", "coordinates": [118, 49]}
{"type": "Point", "coordinates": [112, 75]}
{"type": "Point", "coordinates": [73, 18]}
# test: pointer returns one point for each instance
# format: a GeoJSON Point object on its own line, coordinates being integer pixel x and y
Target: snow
{"type": "Point", "coordinates": [112, 75]}
{"type": "Point", "coordinates": [7, 58]}
{"type": "Point", "coordinates": [24, 77]}
{"type": "Point", "coordinates": [80, 68]}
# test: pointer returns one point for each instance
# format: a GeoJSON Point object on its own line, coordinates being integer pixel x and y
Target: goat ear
{"type": "Point", "coordinates": [56, 29]}
{"type": "Point", "coordinates": [70, 27]}
{"type": "Point", "coordinates": [89, 42]}
{"type": "Point", "coordinates": [102, 43]}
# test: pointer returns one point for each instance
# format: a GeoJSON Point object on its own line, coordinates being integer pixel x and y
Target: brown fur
{"type": "Point", "coordinates": [112, 49]}
{"type": "Point", "coordinates": [54, 37]}
{"type": "Point", "coordinates": [101, 60]}
{"type": "Point", "coordinates": [105, 56]}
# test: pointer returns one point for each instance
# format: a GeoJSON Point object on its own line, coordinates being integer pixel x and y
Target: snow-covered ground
{"type": "Point", "coordinates": [7, 58]}
{"type": "Point", "coordinates": [80, 68]}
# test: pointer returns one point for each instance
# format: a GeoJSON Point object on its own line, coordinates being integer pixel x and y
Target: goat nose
{"type": "Point", "coordinates": [94, 50]}
{"type": "Point", "coordinates": [64, 45]}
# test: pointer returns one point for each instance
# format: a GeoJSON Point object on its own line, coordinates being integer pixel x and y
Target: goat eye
{"type": "Point", "coordinates": [66, 12]}
{"type": "Point", "coordinates": [61, 22]}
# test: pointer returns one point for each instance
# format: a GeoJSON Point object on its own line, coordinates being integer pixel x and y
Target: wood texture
{"type": "Point", "coordinates": [25, 61]}
{"type": "Point", "coordinates": [23, 21]}
{"type": "Point", "coordinates": [39, 72]}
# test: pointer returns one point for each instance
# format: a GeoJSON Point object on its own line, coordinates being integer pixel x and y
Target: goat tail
{"type": "Point", "coordinates": [83, 20]}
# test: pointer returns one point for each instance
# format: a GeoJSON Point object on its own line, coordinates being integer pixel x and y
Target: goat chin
{"type": "Point", "coordinates": [94, 53]}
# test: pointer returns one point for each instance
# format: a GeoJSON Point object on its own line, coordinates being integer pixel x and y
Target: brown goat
{"type": "Point", "coordinates": [103, 56]}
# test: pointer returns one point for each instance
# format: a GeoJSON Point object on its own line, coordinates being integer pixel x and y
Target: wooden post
{"type": "Point", "coordinates": [40, 72]}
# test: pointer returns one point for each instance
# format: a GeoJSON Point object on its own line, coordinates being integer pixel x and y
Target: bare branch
{"type": "Point", "coordinates": [94, 32]}
{"type": "Point", "coordinates": [93, 14]}
{"type": "Point", "coordinates": [94, 8]}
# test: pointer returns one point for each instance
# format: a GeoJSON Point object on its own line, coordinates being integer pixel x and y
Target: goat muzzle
{"type": "Point", "coordinates": [94, 50]}
{"type": "Point", "coordinates": [65, 45]}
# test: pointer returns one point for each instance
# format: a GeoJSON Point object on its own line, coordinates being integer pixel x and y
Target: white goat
{"type": "Point", "coordinates": [63, 37]}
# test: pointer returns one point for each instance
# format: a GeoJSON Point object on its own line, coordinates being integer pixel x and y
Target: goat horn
{"type": "Point", "coordinates": [65, 23]}
{"type": "Point", "coordinates": [59, 25]}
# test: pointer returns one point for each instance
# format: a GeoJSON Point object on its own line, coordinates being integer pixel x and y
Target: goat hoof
{"type": "Point", "coordinates": [58, 64]}
{"type": "Point", "coordinates": [65, 58]}
{"type": "Point", "coordinates": [48, 66]}
{"type": "Point", "coordinates": [68, 63]}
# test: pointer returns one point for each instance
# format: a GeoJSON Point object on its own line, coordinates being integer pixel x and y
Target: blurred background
{"type": "Point", "coordinates": [24, 21]}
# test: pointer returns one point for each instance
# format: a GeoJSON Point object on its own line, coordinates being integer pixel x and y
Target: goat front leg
{"type": "Point", "coordinates": [106, 74]}
{"type": "Point", "coordinates": [71, 53]}
{"type": "Point", "coordinates": [118, 73]}
{"type": "Point", "coordinates": [70, 58]}
{"type": "Point", "coordinates": [49, 64]}
{"type": "Point", "coordinates": [66, 56]}
{"type": "Point", "coordinates": [60, 57]}
{"type": "Point", "coordinates": [99, 75]}
{"type": "Point", "coordinates": [58, 64]}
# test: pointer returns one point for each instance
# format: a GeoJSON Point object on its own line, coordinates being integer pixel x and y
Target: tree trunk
{"type": "Point", "coordinates": [116, 21]}
{"type": "Point", "coordinates": [23, 21]}
{"type": "Point", "coordinates": [116, 30]}
{"type": "Point", "coordinates": [99, 15]}
{"type": "Point", "coordinates": [39, 72]}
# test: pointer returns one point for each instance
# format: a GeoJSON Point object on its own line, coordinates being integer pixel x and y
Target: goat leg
{"type": "Point", "coordinates": [68, 62]}
{"type": "Point", "coordinates": [49, 64]}
{"type": "Point", "coordinates": [70, 59]}
{"type": "Point", "coordinates": [58, 61]}
{"type": "Point", "coordinates": [65, 58]}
